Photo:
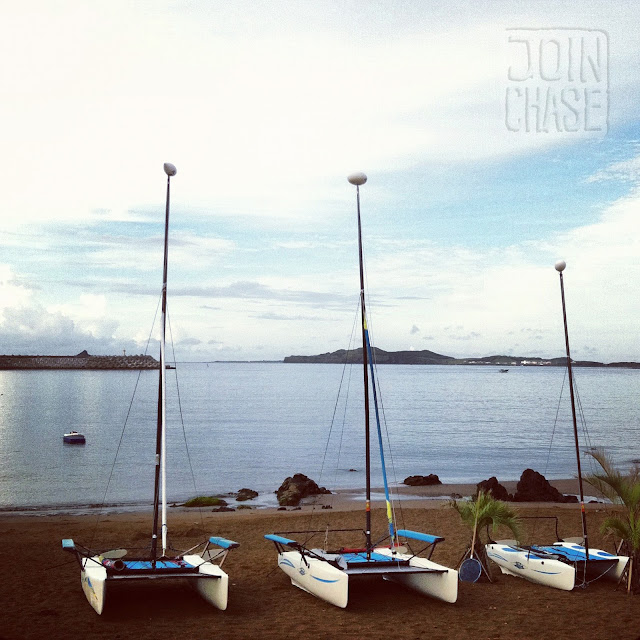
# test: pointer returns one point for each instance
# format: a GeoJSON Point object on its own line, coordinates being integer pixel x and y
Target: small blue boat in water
{"type": "Point", "coordinates": [73, 437]}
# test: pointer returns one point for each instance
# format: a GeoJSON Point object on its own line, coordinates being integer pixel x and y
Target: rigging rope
{"type": "Point", "coordinates": [184, 432]}
{"type": "Point", "coordinates": [333, 417]}
{"type": "Point", "coordinates": [124, 426]}
{"type": "Point", "coordinates": [585, 432]}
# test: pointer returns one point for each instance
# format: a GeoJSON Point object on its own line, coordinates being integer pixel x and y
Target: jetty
{"type": "Point", "coordinates": [82, 361]}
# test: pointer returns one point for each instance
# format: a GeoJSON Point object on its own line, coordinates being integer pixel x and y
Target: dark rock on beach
{"type": "Point", "coordinates": [246, 494]}
{"type": "Point", "coordinates": [534, 487]}
{"type": "Point", "coordinates": [494, 488]}
{"type": "Point", "coordinates": [422, 481]}
{"type": "Point", "coordinates": [205, 501]}
{"type": "Point", "coordinates": [295, 488]}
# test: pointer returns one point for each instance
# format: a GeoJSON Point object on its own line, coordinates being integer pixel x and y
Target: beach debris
{"type": "Point", "coordinates": [534, 487]}
{"type": "Point", "coordinates": [297, 487]}
{"type": "Point", "coordinates": [422, 481]}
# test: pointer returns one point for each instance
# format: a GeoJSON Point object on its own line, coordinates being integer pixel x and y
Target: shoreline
{"type": "Point", "coordinates": [340, 500]}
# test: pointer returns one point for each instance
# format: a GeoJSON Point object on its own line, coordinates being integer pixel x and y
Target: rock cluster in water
{"type": "Point", "coordinates": [532, 487]}
{"type": "Point", "coordinates": [246, 494]}
{"type": "Point", "coordinates": [494, 489]}
{"type": "Point", "coordinates": [295, 488]}
{"type": "Point", "coordinates": [422, 481]}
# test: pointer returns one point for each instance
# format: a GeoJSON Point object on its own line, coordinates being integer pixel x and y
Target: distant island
{"type": "Point", "coordinates": [82, 361]}
{"type": "Point", "coordinates": [354, 356]}
{"type": "Point", "coordinates": [429, 357]}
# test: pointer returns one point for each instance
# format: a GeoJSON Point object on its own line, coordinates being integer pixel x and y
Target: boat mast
{"type": "Point", "coordinates": [560, 267]}
{"type": "Point", "coordinates": [160, 485]}
{"type": "Point", "coordinates": [359, 179]}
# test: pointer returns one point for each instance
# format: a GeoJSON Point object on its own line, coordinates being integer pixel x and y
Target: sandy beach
{"type": "Point", "coordinates": [41, 595]}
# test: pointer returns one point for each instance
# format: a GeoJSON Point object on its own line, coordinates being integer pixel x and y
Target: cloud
{"type": "Point", "coordinates": [189, 342]}
{"type": "Point", "coordinates": [13, 292]}
{"type": "Point", "coordinates": [35, 331]}
{"type": "Point", "coordinates": [285, 110]}
{"type": "Point", "coordinates": [89, 311]}
{"type": "Point", "coordinates": [623, 171]}
{"type": "Point", "coordinates": [254, 290]}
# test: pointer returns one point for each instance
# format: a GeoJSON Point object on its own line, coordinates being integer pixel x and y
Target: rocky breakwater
{"type": "Point", "coordinates": [82, 361]}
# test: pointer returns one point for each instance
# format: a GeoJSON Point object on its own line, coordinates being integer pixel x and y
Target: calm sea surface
{"type": "Point", "coordinates": [252, 425]}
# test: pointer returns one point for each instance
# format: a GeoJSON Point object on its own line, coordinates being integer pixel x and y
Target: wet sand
{"type": "Point", "coordinates": [41, 595]}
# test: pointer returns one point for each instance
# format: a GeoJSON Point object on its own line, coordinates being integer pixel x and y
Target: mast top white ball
{"type": "Point", "coordinates": [560, 265]}
{"type": "Point", "coordinates": [357, 178]}
{"type": "Point", "coordinates": [170, 169]}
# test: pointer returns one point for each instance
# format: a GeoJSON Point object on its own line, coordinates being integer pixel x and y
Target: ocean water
{"type": "Point", "coordinates": [234, 425]}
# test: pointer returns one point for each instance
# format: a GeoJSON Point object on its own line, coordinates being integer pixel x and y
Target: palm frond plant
{"type": "Point", "coordinates": [622, 489]}
{"type": "Point", "coordinates": [485, 511]}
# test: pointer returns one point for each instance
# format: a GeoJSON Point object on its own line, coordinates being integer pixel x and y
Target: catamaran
{"type": "Point", "coordinates": [200, 565]}
{"type": "Point", "coordinates": [326, 573]}
{"type": "Point", "coordinates": [566, 563]}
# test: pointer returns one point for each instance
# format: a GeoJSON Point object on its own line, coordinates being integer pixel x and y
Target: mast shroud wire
{"type": "Point", "coordinates": [333, 417]}
{"type": "Point", "coordinates": [184, 432]}
{"type": "Point", "coordinates": [124, 427]}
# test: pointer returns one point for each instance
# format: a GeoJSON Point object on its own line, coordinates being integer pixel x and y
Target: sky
{"type": "Point", "coordinates": [497, 137]}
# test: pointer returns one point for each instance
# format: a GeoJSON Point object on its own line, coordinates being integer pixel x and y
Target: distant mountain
{"type": "Point", "coordinates": [381, 357]}
{"type": "Point", "coordinates": [429, 357]}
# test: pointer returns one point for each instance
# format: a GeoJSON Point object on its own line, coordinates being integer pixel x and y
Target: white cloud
{"type": "Point", "coordinates": [625, 171]}
{"type": "Point", "coordinates": [12, 292]}
{"type": "Point", "coordinates": [257, 124]}
{"type": "Point", "coordinates": [89, 314]}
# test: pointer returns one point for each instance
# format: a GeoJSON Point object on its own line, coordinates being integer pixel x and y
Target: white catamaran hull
{"type": "Point", "coordinates": [442, 585]}
{"type": "Point", "coordinates": [93, 577]}
{"type": "Point", "coordinates": [317, 577]}
{"type": "Point", "coordinates": [214, 588]}
{"type": "Point", "coordinates": [615, 573]}
{"type": "Point", "coordinates": [550, 572]}
{"type": "Point", "coordinates": [331, 584]}
{"type": "Point", "coordinates": [520, 563]}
